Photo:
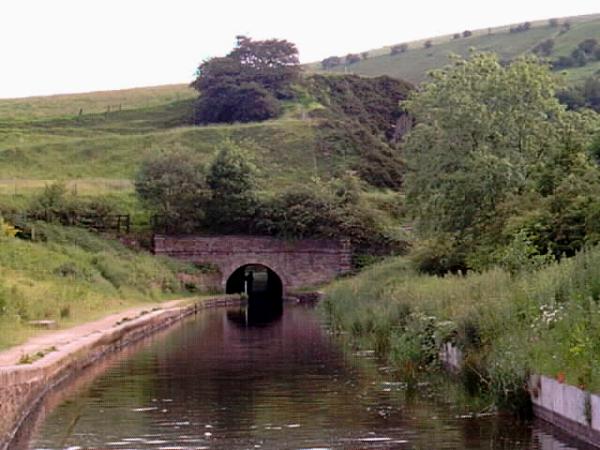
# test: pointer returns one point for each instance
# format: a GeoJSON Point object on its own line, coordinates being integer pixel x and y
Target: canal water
{"type": "Point", "coordinates": [242, 379]}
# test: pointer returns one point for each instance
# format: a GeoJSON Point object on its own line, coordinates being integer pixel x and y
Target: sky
{"type": "Point", "coordinates": [64, 46]}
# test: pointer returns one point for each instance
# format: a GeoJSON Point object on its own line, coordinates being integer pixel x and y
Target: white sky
{"type": "Point", "coordinates": [59, 46]}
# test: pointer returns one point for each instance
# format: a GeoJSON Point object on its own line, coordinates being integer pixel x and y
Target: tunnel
{"type": "Point", "coordinates": [256, 281]}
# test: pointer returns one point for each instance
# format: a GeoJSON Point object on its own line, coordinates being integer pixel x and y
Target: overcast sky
{"type": "Point", "coordinates": [59, 46]}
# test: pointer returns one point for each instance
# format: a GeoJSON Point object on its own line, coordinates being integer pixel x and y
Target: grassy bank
{"type": "Point", "coordinates": [509, 326]}
{"type": "Point", "coordinates": [73, 276]}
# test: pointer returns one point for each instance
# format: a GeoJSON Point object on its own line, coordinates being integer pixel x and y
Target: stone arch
{"type": "Point", "coordinates": [228, 272]}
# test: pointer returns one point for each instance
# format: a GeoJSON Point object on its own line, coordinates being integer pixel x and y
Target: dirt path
{"type": "Point", "coordinates": [59, 338]}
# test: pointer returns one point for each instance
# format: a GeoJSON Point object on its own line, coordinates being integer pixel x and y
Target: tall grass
{"type": "Point", "coordinates": [74, 276]}
{"type": "Point", "coordinates": [508, 326]}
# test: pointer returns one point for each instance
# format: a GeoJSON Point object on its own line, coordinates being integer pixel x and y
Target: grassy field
{"type": "Point", "coordinates": [509, 326]}
{"type": "Point", "coordinates": [44, 139]}
{"type": "Point", "coordinates": [414, 64]}
{"type": "Point", "coordinates": [74, 276]}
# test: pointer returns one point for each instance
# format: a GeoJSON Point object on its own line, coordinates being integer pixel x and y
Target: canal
{"type": "Point", "coordinates": [243, 379]}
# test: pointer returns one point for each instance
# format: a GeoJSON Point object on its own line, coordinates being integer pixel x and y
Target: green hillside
{"type": "Point", "coordinates": [44, 139]}
{"type": "Point", "coordinates": [95, 142]}
{"type": "Point", "coordinates": [416, 61]}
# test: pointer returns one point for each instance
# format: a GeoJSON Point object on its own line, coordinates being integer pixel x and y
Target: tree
{"type": "Point", "coordinates": [428, 43]}
{"type": "Point", "coordinates": [484, 133]}
{"type": "Point", "coordinates": [456, 36]}
{"type": "Point", "coordinates": [352, 58]}
{"type": "Point", "coordinates": [467, 33]}
{"type": "Point", "coordinates": [232, 180]}
{"type": "Point", "coordinates": [553, 23]}
{"type": "Point", "coordinates": [579, 57]}
{"type": "Point", "coordinates": [364, 55]}
{"type": "Point", "coordinates": [588, 46]}
{"type": "Point", "coordinates": [544, 48]}
{"type": "Point", "coordinates": [229, 102]}
{"type": "Point", "coordinates": [173, 186]}
{"type": "Point", "coordinates": [397, 49]}
{"type": "Point", "coordinates": [331, 62]}
{"type": "Point", "coordinates": [253, 74]}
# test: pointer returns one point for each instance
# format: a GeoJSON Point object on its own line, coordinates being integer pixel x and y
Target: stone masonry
{"type": "Point", "coordinates": [299, 263]}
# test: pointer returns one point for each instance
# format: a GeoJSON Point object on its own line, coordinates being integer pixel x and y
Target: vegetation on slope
{"type": "Point", "coordinates": [98, 154]}
{"type": "Point", "coordinates": [70, 276]}
{"type": "Point", "coordinates": [414, 60]}
{"type": "Point", "coordinates": [508, 326]}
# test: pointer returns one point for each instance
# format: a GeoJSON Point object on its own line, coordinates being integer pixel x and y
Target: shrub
{"type": "Point", "coordinates": [428, 43]}
{"type": "Point", "coordinates": [588, 46]}
{"type": "Point", "coordinates": [467, 33]}
{"type": "Point", "coordinates": [331, 62]}
{"type": "Point", "coordinates": [456, 36]}
{"type": "Point", "coordinates": [397, 49]}
{"type": "Point", "coordinates": [352, 58]}
{"type": "Point", "coordinates": [544, 48]}
{"type": "Point", "coordinates": [247, 102]}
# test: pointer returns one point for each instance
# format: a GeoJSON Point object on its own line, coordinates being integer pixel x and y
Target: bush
{"type": "Point", "coordinates": [467, 33]}
{"type": "Point", "coordinates": [397, 49]}
{"type": "Point", "coordinates": [428, 43]}
{"type": "Point", "coordinates": [544, 48]}
{"type": "Point", "coordinates": [331, 62]}
{"type": "Point", "coordinates": [248, 102]}
{"type": "Point", "coordinates": [352, 58]}
{"type": "Point", "coordinates": [553, 23]}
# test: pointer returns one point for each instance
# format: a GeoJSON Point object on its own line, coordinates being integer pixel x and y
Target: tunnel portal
{"type": "Point", "coordinates": [256, 281]}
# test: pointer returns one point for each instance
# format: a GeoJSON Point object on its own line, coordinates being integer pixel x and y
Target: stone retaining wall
{"type": "Point", "coordinates": [22, 386]}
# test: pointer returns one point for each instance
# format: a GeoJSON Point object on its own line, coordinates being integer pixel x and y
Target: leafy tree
{"type": "Point", "coordinates": [331, 62]}
{"type": "Point", "coordinates": [486, 133]}
{"type": "Point", "coordinates": [579, 57]}
{"type": "Point", "coordinates": [467, 33]}
{"type": "Point", "coordinates": [544, 48]}
{"type": "Point", "coordinates": [173, 186]}
{"type": "Point", "coordinates": [428, 43]}
{"type": "Point", "coordinates": [229, 102]}
{"type": "Point", "coordinates": [397, 49]}
{"type": "Point", "coordinates": [352, 58]}
{"type": "Point", "coordinates": [232, 180]}
{"type": "Point", "coordinates": [253, 75]}
{"type": "Point", "coordinates": [588, 46]}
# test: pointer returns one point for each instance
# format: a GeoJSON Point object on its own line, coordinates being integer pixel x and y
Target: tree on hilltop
{"type": "Point", "coordinates": [246, 84]}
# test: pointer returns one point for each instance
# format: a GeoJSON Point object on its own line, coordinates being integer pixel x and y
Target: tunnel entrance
{"type": "Point", "coordinates": [256, 281]}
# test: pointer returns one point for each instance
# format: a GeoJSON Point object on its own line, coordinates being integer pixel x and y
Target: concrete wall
{"type": "Point", "coordinates": [573, 410]}
{"type": "Point", "coordinates": [23, 386]}
{"type": "Point", "coordinates": [300, 263]}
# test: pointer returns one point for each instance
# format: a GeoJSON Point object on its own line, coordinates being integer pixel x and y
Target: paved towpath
{"type": "Point", "coordinates": [59, 338]}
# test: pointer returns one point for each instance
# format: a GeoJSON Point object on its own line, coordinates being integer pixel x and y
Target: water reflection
{"type": "Point", "coordinates": [260, 312]}
{"type": "Point", "coordinates": [230, 379]}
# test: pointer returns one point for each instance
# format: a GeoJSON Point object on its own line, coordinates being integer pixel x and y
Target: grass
{"type": "Point", "coordinates": [74, 276]}
{"type": "Point", "coordinates": [414, 64]}
{"type": "Point", "coordinates": [43, 140]}
{"type": "Point", "coordinates": [509, 326]}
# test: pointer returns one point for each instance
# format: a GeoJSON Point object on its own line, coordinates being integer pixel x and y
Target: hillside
{"type": "Point", "coordinates": [95, 142]}
{"type": "Point", "coordinates": [416, 61]}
